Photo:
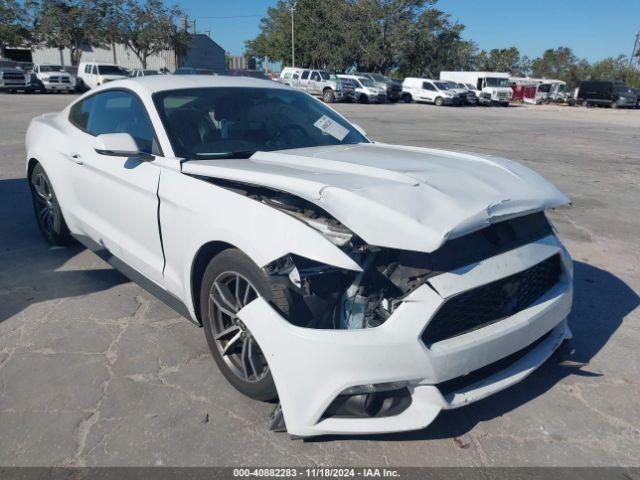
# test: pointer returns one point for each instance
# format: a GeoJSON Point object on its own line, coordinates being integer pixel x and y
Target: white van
{"type": "Point", "coordinates": [431, 91]}
{"type": "Point", "coordinates": [94, 74]}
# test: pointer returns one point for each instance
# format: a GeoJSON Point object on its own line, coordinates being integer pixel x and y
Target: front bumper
{"type": "Point", "coordinates": [312, 367]}
{"type": "Point", "coordinates": [55, 87]}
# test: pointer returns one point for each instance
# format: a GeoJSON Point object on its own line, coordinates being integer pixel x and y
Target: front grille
{"type": "Point", "coordinates": [492, 302]}
{"type": "Point", "coordinates": [54, 79]}
{"type": "Point", "coordinates": [65, 80]}
{"type": "Point", "coordinates": [13, 76]}
{"type": "Point", "coordinates": [460, 383]}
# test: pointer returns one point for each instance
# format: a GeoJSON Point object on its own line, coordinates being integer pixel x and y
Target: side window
{"type": "Point", "coordinates": [94, 70]}
{"type": "Point", "coordinates": [118, 111]}
{"type": "Point", "coordinates": [79, 113]}
{"type": "Point", "coordinates": [295, 76]}
{"type": "Point", "coordinates": [428, 86]}
{"type": "Point", "coordinates": [315, 76]}
{"type": "Point", "coordinates": [87, 69]}
{"type": "Point", "coordinates": [287, 75]}
{"type": "Point", "coordinates": [305, 74]}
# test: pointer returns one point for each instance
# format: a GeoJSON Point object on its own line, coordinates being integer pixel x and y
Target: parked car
{"type": "Point", "coordinates": [366, 90]}
{"type": "Point", "coordinates": [317, 82]}
{"type": "Point", "coordinates": [431, 91]}
{"type": "Point", "coordinates": [392, 87]}
{"type": "Point", "coordinates": [492, 87]}
{"type": "Point", "coordinates": [637, 93]}
{"type": "Point", "coordinates": [12, 77]}
{"type": "Point", "coordinates": [138, 72]}
{"type": "Point", "coordinates": [367, 286]}
{"type": "Point", "coordinates": [469, 96]}
{"type": "Point", "coordinates": [53, 78]}
{"type": "Point", "coordinates": [94, 74]}
{"type": "Point", "coordinates": [605, 93]}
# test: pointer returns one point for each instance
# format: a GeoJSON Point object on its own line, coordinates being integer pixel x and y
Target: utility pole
{"type": "Point", "coordinates": [293, 47]}
{"type": "Point", "coordinates": [635, 54]}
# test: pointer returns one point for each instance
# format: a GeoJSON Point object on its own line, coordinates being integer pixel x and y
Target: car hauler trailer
{"type": "Point", "coordinates": [493, 87]}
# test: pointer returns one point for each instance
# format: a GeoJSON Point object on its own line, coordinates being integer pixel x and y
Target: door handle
{"type": "Point", "coordinates": [77, 158]}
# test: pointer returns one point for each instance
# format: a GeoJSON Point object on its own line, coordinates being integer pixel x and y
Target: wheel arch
{"type": "Point", "coordinates": [198, 266]}
{"type": "Point", "coordinates": [31, 164]}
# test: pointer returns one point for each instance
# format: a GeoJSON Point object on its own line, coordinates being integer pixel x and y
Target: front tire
{"type": "Point", "coordinates": [406, 97]}
{"type": "Point", "coordinates": [47, 209]}
{"type": "Point", "coordinates": [328, 96]}
{"type": "Point", "coordinates": [439, 101]}
{"type": "Point", "coordinates": [231, 281]}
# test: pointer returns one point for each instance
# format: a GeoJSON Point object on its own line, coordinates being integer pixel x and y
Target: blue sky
{"type": "Point", "coordinates": [594, 29]}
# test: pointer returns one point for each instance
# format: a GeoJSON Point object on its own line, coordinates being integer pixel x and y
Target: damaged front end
{"type": "Point", "coordinates": [384, 332]}
{"type": "Point", "coordinates": [322, 296]}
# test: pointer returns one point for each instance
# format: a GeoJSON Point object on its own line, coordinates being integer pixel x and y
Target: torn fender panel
{"type": "Point", "coordinates": [398, 197]}
{"type": "Point", "coordinates": [199, 213]}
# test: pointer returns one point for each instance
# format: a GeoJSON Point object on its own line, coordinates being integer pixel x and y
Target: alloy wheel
{"type": "Point", "coordinates": [45, 203]}
{"type": "Point", "coordinates": [229, 293]}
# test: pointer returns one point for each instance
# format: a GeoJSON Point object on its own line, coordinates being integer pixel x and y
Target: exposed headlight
{"type": "Point", "coordinates": [336, 234]}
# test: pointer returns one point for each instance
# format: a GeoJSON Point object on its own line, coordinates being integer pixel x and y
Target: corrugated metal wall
{"type": "Point", "coordinates": [124, 57]}
{"type": "Point", "coordinates": [238, 63]}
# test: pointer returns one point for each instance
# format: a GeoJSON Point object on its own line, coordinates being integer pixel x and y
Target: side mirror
{"type": "Point", "coordinates": [119, 145]}
{"type": "Point", "coordinates": [359, 129]}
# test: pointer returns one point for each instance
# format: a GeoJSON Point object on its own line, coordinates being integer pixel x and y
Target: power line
{"type": "Point", "coordinates": [234, 16]}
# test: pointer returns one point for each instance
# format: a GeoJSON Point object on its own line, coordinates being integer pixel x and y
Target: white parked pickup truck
{"type": "Point", "coordinates": [493, 87]}
{"type": "Point", "coordinates": [54, 78]}
{"type": "Point", "coordinates": [317, 82]}
{"type": "Point", "coordinates": [94, 74]}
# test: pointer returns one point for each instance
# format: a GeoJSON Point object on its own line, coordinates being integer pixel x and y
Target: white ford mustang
{"type": "Point", "coordinates": [366, 286]}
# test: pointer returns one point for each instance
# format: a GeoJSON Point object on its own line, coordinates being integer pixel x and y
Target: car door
{"type": "Point", "coordinates": [314, 81]}
{"type": "Point", "coordinates": [117, 202]}
{"type": "Point", "coordinates": [428, 92]}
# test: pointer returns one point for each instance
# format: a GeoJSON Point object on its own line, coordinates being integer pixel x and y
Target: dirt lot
{"type": "Point", "coordinates": [94, 371]}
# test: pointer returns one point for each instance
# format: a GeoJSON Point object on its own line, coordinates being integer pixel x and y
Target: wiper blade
{"type": "Point", "coordinates": [236, 154]}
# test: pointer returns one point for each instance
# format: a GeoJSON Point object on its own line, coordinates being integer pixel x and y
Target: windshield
{"type": "Point", "coordinates": [51, 68]}
{"type": "Point", "coordinates": [497, 82]}
{"type": "Point", "coordinates": [150, 72]}
{"type": "Point", "coordinates": [469, 86]}
{"type": "Point", "coordinates": [451, 84]}
{"type": "Point", "coordinates": [235, 122]}
{"type": "Point", "coordinates": [365, 82]}
{"type": "Point", "coordinates": [110, 70]}
{"type": "Point", "coordinates": [622, 89]}
{"type": "Point", "coordinates": [378, 77]}
{"type": "Point", "coordinates": [441, 85]}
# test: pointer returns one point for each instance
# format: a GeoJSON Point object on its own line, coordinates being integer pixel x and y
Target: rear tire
{"type": "Point", "coordinates": [230, 280]}
{"type": "Point", "coordinates": [47, 209]}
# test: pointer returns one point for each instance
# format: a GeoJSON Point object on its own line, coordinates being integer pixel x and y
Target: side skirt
{"type": "Point", "coordinates": [150, 286]}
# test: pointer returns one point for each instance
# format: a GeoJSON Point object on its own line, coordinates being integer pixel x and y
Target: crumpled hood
{"type": "Point", "coordinates": [409, 198]}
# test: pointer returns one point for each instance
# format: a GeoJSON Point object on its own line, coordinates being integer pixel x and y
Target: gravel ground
{"type": "Point", "coordinates": [95, 371]}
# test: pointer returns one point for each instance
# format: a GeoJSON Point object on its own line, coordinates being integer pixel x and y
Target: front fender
{"type": "Point", "coordinates": [194, 212]}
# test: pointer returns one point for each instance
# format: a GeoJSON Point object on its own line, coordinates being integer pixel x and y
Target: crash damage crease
{"type": "Point", "coordinates": [326, 297]}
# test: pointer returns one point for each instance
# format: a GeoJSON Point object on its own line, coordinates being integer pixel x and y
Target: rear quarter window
{"type": "Point", "coordinates": [79, 113]}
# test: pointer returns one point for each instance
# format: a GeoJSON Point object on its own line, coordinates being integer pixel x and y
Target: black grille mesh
{"type": "Point", "coordinates": [492, 302]}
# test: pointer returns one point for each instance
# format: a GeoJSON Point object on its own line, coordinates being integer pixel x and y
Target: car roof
{"type": "Point", "coordinates": [159, 83]}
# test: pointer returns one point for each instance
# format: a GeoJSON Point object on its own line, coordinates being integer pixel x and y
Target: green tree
{"type": "Point", "coordinates": [72, 24]}
{"type": "Point", "coordinates": [503, 60]}
{"type": "Point", "coordinates": [14, 28]}
{"type": "Point", "coordinates": [433, 44]}
{"type": "Point", "coordinates": [150, 27]}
